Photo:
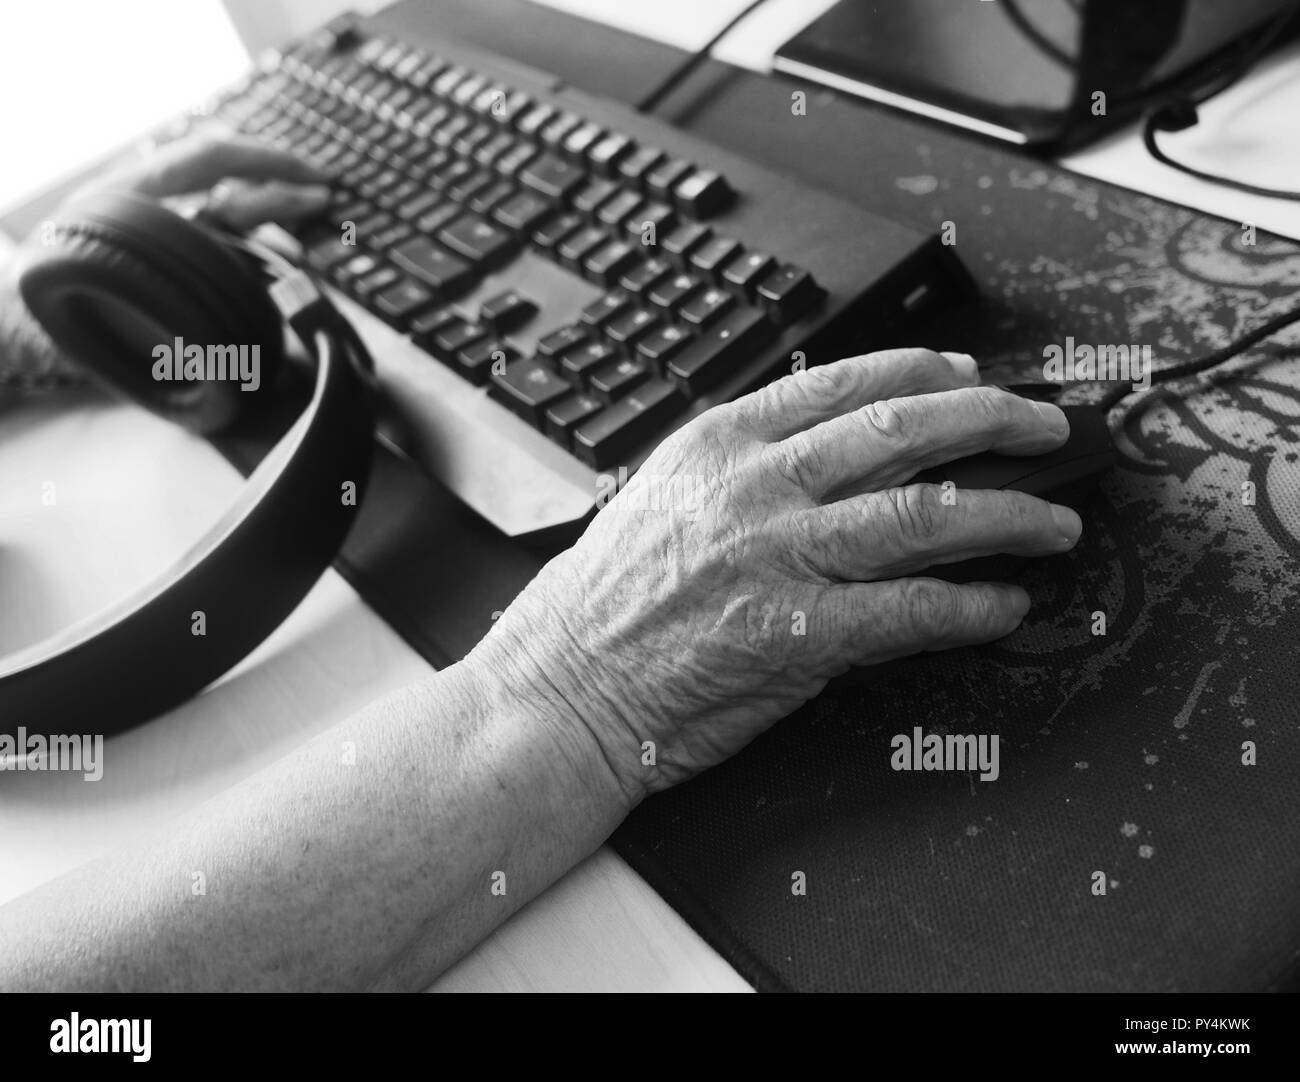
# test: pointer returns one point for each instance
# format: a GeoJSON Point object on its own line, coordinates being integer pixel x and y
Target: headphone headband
{"type": "Point", "coordinates": [141, 270]}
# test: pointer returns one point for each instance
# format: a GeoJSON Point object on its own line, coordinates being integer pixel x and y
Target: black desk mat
{"type": "Point", "coordinates": [1120, 754]}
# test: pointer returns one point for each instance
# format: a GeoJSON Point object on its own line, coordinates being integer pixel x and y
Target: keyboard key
{"type": "Point", "coordinates": [379, 182]}
{"type": "Point", "coordinates": [626, 328]}
{"type": "Point", "coordinates": [478, 240]}
{"type": "Point", "coordinates": [746, 271]}
{"type": "Point", "coordinates": [360, 264]}
{"type": "Point", "coordinates": [555, 343]}
{"type": "Point", "coordinates": [662, 344]}
{"type": "Point", "coordinates": [557, 129]}
{"type": "Point", "coordinates": [600, 312]}
{"type": "Point", "coordinates": [389, 237]}
{"type": "Point", "coordinates": [469, 185]}
{"type": "Point", "coordinates": [683, 240]}
{"type": "Point", "coordinates": [654, 214]}
{"type": "Point", "coordinates": [454, 173]}
{"type": "Point", "coordinates": [590, 198]}
{"type": "Point", "coordinates": [428, 117]}
{"type": "Point", "coordinates": [429, 69]}
{"type": "Point", "coordinates": [356, 176]}
{"type": "Point", "coordinates": [379, 278]}
{"type": "Point", "coordinates": [639, 163]}
{"type": "Point", "coordinates": [664, 177]}
{"type": "Point", "coordinates": [788, 293]}
{"type": "Point", "coordinates": [720, 349]}
{"type": "Point", "coordinates": [418, 205]}
{"type": "Point", "coordinates": [401, 299]}
{"type": "Point", "coordinates": [535, 120]}
{"type": "Point", "coordinates": [467, 90]}
{"type": "Point", "coordinates": [486, 98]}
{"type": "Point", "coordinates": [614, 211]}
{"type": "Point", "coordinates": [553, 176]}
{"type": "Point", "coordinates": [351, 210]}
{"type": "Point", "coordinates": [627, 424]}
{"type": "Point", "coordinates": [582, 139]}
{"type": "Point", "coordinates": [508, 108]}
{"type": "Point", "coordinates": [579, 362]}
{"type": "Point", "coordinates": [606, 263]}
{"type": "Point", "coordinates": [398, 194]}
{"type": "Point", "coordinates": [580, 243]}
{"type": "Point", "coordinates": [472, 138]}
{"type": "Point", "coordinates": [702, 194]}
{"type": "Point", "coordinates": [551, 233]}
{"type": "Point", "coordinates": [430, 165]}
{"type": "Point", "coordinates": [478, 361]}
{"type": "Point", "coordinates": [434, 266]}
{"type": "Point", "coordinates": [487, 153]}
{"type": "Point", "coordinates": [448, 340]}
{"type": "Point", "coordinates": [446, 134]}
{"type": "Point", "coordinates": [566, 414]}
{"type": "Point", "coordinates": [641, 277]}
{"type": "Point", "coordinates": [515, 159]}
{"type": "Point", "coordinates": [711, 256]}
{"type": "Point", "coordinates": [523, 212]}
{"type": "Point", "coordinates": [329, 252]}
{"type": "Point", "coordinates": [528, 387]}
{"type": "Point", "coordinates": [422, 326]}
{"type": "Point", "coordinates": [439, 216]}
{"type": "Point", "coordinates": [603, 156]}
{"type": "Point", "coordinates": [485, 199]}
{"type": "Point", "coordinates": [614, 381]}
{"type": "Point", "coordinates": [705, 307]}
{"type": "Point", "coordinates": [506, 311]}
{"type": "Point", "coordinates": [408, 65]}
{"type": "Point", "coordinates": [671, 292]}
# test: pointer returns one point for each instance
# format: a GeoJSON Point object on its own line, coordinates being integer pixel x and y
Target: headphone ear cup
{"type": "Point", "coordinates": [134, 292]}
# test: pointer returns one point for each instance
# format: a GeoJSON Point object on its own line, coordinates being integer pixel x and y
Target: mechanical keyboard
{"type": "Point", "coordinates": [550, 282]}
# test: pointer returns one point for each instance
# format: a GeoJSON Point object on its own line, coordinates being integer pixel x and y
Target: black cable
{"type": "Point", "coordinates": [1153, 123]}
{"type": "Point", "coordinates": [1190, 368]}
{"type": "Point", "coordinates": [1180, 113]}
{"type": "Point", "coordinates": [1039, 40]}
{"type": "Point", "coordinates": [675, 77]}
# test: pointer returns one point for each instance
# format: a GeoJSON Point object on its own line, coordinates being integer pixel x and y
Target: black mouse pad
{"type": "Point", "coordinates": [808, 861]}
{"type": "Point", "coordinates": [1156, 755]}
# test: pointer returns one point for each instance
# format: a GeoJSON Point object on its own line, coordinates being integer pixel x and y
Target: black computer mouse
{"type": "Point", "coordinates": [1076, 465]}
{"type": "Point", "coordinates": [1066, 475]}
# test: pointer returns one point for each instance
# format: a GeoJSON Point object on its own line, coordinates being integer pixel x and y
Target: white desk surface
{"type": "Point", "coordinates": [133, 492]}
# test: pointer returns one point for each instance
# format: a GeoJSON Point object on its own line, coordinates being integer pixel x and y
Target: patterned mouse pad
{"type": "Point", "coordinates": [1143, 830]}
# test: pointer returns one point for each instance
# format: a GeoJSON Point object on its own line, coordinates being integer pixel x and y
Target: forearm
{"type": "Point", "coordinates": [366, 860]}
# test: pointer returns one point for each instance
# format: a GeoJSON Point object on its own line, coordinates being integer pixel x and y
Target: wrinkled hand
{"type": "Point", "coordinates": [243, 182]}
{"type": "Point", "coordinates": [697, 629]}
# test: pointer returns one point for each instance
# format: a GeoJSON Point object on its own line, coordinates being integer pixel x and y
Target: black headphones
{"type": "Point", "coordinates": [114, 277]}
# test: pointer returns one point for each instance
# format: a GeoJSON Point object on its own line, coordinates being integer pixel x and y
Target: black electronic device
{"type": "Point", "coordinates": [113, 279]}
{"type": "Point", "coordinates": [551, 282]}
{"type": "Point", "coordinates": [1040, 72]}
{"type": "Point", "coordinates": [1087, 453]}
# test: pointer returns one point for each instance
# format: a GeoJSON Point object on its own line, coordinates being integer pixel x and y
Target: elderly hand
{"type": "Point", "coordinates": [693, 617]}
{"type": "Point", "coordinates": [243, 183]}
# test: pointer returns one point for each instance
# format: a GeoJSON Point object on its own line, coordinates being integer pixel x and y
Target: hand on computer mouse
{"type": "Point", "coordinates": [769, 545]}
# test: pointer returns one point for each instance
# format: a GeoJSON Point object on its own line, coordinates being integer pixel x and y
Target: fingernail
{"type": "Point", "coordinates": [1019, 600]}
{"type": "Point", "coordinates": [316, 195]}
{"type": "Point", "coordinates": [1054, 418]}
{"type": "Point", "coordinates": [1068, 522]}
{"type": "Point", "coordinates": [964, 365]}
